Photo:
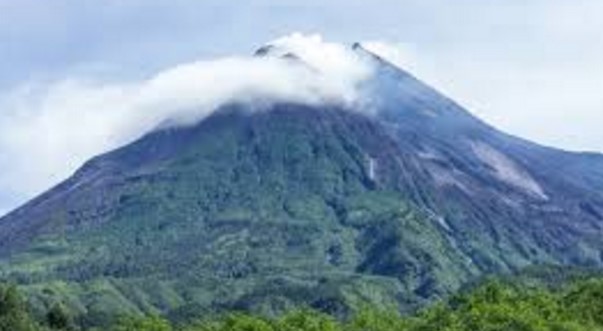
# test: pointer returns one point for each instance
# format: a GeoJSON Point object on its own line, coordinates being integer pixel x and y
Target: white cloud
{"type": "Point", "coordinates": [332, 59]}
{"type": "Point", "coordinates": [48, 130]}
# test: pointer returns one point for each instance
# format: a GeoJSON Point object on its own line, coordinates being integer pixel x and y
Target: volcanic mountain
{"type": "Point", "coordinates": [398, 201]}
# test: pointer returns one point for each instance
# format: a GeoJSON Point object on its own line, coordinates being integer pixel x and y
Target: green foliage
{"type": "Point", "coordinates": [233, 322]}
{"type": "Point", "coordinates": [492, 306]}
{"type": "Point", "coordinates": [373, 319]}
{"type": "Point", "coordinates": [14, 314]}
{"type": "Point", "coordinates": [585, 301]}
{"type": "Point", "coordinates": [58, 318]}
{"type": "Point", "coordinates": [153, 323]}
{"type": "Point", "coordinates": [307, 321]}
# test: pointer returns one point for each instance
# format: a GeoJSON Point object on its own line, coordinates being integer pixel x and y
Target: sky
{"type": "Point", "coordinates": [69, 67]}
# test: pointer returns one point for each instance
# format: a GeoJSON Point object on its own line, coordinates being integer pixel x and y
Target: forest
{"type": "Point", "coordinates": [492, 305]}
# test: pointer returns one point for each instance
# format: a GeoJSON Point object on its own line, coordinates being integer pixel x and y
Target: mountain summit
{"type": "Point", "coordinates": [399, 198]}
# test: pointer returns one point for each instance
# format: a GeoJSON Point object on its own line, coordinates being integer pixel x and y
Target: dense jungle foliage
{"type": "Point", "coordinates": [501, 304]}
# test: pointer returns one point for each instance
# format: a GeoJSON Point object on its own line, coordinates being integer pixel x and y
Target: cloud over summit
{"type": "Point", "coordinates": [49, 130]}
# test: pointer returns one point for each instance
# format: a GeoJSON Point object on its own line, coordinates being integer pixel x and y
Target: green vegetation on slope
{"type": "Point", "coordinates": [265, 212]}
{"type": "Point", "coordinates": [492, 306]}
{"type": "Point", "coordinates": [261, 214]}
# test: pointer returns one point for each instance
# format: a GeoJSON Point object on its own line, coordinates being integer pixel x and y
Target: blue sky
{"type": "Point", "coordinates": [533, 68]}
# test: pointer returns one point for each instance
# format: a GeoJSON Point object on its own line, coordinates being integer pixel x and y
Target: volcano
{"type": "Point", "coordinates": [399, 200]}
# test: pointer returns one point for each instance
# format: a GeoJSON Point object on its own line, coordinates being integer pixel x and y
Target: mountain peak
{"type": "Point", "coordinates": [273, 51]}
{"type": "Point", "coordinates": [362, 51]}
{"type": "Point", "coordinates": [311, 47]}
{"type": "Point", "coordinates": [326, 57]}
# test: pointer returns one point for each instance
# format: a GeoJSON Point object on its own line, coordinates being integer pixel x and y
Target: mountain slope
{"type": "Point", "coordinates": [396, 201]}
